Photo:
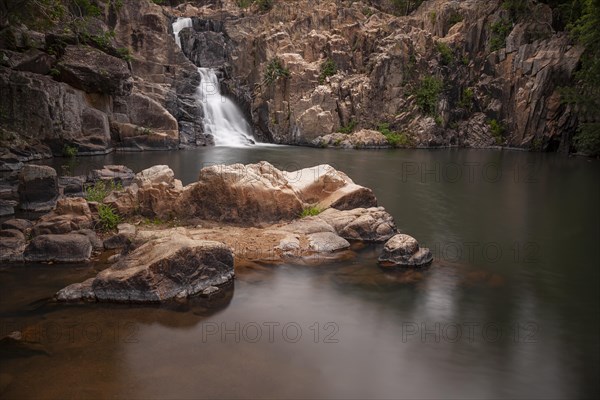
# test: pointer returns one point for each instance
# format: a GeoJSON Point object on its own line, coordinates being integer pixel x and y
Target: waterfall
{"type": "Point", "coordinates": [222, 117]}
{"type": "Point", "coordinates": [178, 25]}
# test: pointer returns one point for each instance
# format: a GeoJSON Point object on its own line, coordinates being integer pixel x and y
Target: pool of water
{"type": "Point", "coordinates": [509, 308]}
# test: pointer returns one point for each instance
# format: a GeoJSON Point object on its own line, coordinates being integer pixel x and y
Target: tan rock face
{"type": "Point", "coordinates": [70, 214]}
{"type": "Point", "coordinates": [161, 269]}
{"type": "Point", "coordinates": [247, 194]}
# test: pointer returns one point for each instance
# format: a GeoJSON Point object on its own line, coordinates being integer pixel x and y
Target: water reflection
{"type": "Point", "coordinates": [509, 307]}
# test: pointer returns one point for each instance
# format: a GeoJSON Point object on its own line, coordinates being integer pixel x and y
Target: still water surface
{"type": "Point", "coordinates": [509, 308]}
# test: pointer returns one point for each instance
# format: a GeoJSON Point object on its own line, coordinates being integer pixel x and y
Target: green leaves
{"type": "Point", "coordinates": [275, 70]}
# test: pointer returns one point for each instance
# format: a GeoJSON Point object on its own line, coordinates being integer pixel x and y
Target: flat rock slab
{"type": "Point", "coordinates": [174, 266]}
{"type": "Point", "coordinates": [68, 248]}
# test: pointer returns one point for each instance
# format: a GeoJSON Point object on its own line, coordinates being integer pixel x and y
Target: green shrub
{"type": "Point", "coordinates": [466, 99]}
{"type": "Point", "coordinates": [275, 70]}
{"type": "Point", "coordinates": [328, 68]}
{"type": "Point", "coordinates": [498, 33]}
{"type": "Point", "coordinates": [497, 130]}
{"type": "Point", "coordinates": [108, 217]}
{"type": "Point", "coordinates": [397, 139]}
{"type": "Point", "coordinates": [394, 138]}
{"type": "Point", "coordinates": [348, 128]}
{"type": "Point", "coordinates": [310, 211]}
{"type": "Point", "coordinates": [405, 7]}
{"type": "Point", "coordinates": [100, 189]}
{"type": "Point", "coordinates": [54, 72]}
{"type": "Point", "coordinates": [587, 139]}
{"type": "Point", "coordinates": [446, 54]}
{"type": "Point", "coordinates": [427, 93]}
{"type": "Point", "coordinates": [70, 151]}
{"type": "Point", "coordinates": [264, 5]}
{"type": "Point", "coordinates": [124, 53]}
{"type": "Point", "coordinates": [455, 19]}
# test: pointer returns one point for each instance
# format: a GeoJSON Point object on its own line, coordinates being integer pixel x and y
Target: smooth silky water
{"type": "Point", "coordinates": [509, 307]}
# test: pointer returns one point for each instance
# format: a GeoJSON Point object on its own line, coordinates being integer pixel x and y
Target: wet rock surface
{"type": "Point", "coordinates": [404, 251]}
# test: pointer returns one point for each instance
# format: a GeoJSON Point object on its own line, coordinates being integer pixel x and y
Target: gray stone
{"type": "Point", "coordinates": [404, 251]}
{"type": "Point", "coordinates": [38, 188]}
{"type": "Point", "coordinates": [59, 248]}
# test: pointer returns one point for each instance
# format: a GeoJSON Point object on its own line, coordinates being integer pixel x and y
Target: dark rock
{"type": "Point", "coordinates": [12, 233]}
{"type": "Point", "coordinates": [93, 237]}
{"type": "Point", "coordinates": [35, 61]}
{"type": "Point", "coordinates": [7, 207]}
{"type": "Point", "coordinates": [118, 241]}
{"type": "Point", "coordinates": [404, 251]}
{"type": "Point", "coordinates": [60, 248]}
{"type": "Point", "coordinates": [159, 270]}
{"type": "Point", "coordinates": [38, 188]}
{"type": "Point", "coordinates": [94, 71]}
{"type": "Point", "coordinates": [116, 173]}
{"type": "Point", "coordinates": [22, 225]}
{"type": "Point", "coordinates": [72, 186]}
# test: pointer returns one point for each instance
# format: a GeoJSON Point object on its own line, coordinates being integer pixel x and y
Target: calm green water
{"type": "Point", "coordinates": [509, 308]}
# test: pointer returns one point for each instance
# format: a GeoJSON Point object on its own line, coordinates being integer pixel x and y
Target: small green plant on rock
{"type": "Point", "coordinates": [328, 68]}
{"type": "Point", "coordinates": [396, 139]}
{"type": "Point", "coordinates": [108, 217]}
{"type": "Point", "coordinates": [99, 190]}
{"type": "Point", "coordinates": [275, 70]}
{"type": "Point", "coordinates": [310, 211]}
{"type": "Point", "coordinates": [446, 54]}
{"type": "Point", "coordinates": [348, 128]}
{"type": "Point", "coordinates": [466, 99]}
{"type": "Point", "coordinates": [70, 151]}
{"type": "Point", "coordinates": [427, 94]}
{"type": "Point", "coordinates": [499, 31]}
{"type": "Point", "coordinates": [497, 130]}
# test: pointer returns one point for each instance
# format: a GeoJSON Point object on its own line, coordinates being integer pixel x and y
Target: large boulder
{"type": "Point", "coordinates": [170, 267]}
{"type": "Point", "coordinates": [71, 214]}
{"type": "Point", "coordinates": [404, 251]}
{"type": "Point", "coordinates": [364, 224]}
{"type": "Point", "coordinates": [326, 187]}
{"type": "Point", "coordinates": [153, 193]}
{"type": "Point", "coordinates": [65, 248]}
{"type": "Point", "coordinates": [248, 194]}
{"type": "Point", "coordinates": [38, 188]}
{"type": "Point", "coordinates": [94, 71]}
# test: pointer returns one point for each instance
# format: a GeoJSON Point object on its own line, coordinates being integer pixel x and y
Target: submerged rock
{"type": "Point", "coordinates": [170, 267]}
{"type": "Point", "coordinates": [404, 251]}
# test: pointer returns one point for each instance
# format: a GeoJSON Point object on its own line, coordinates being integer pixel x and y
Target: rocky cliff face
{"type": "Point", "coordinates": [451, 73]}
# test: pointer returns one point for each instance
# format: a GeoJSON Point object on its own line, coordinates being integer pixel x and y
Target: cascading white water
{"type": "Point", "coordinates": [222, 117]}
{"type": "Point", "coordinates": [178, 25]}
